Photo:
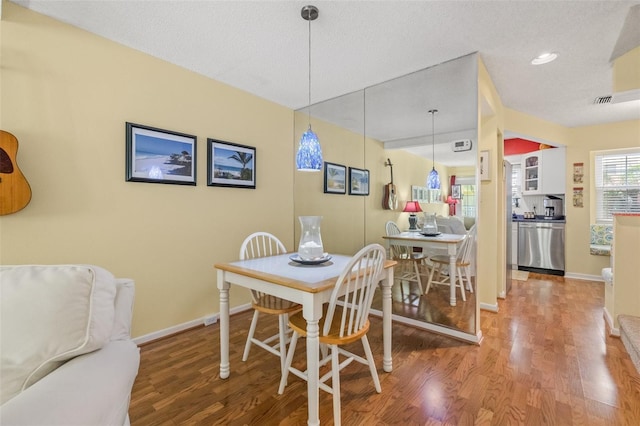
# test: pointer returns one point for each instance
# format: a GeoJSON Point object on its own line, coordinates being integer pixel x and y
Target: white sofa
{"type": "Point", "coordinates": [67, 357]}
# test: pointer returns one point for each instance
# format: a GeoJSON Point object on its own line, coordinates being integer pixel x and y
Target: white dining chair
{"type": "Point", "coordinates": [261, 244]}
{"type": "Point", "coordinates": [463, 265]}
{"type": "Point", "coordinates": [409, 262]}
{"type": "Point", "coordinates": [345, 320]}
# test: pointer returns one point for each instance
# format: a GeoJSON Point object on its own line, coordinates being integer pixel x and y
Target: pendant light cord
{"type": "Point", "coordinates": [309, 103]}
{"type": "Point", "coordinates": [433, 136]}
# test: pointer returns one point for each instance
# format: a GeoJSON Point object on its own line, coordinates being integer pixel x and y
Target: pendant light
{"type": "Point", "coordinates": [433, 180]}
{"type": "Point", "coordinates": [309, 157]}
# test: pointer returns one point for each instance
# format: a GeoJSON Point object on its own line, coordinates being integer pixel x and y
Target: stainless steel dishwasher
{"type": "Point", "coordinates": [541, 247]}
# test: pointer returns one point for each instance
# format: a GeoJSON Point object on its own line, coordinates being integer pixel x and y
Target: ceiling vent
{"type": "Point", "coordinates": [602, 100]}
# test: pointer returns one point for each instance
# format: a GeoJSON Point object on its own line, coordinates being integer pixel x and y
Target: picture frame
{"type": "Point", "coordinates": [456, 192]}
{"type": "Point", "coordinates": [230, 164]}
{"type": "Point", "coordinates": [156, 155]}
{"type": "Point", "coordinates": [335, 178]}
{"type": "Point", "coordinates": [485, 169]}
{"type": "Point", "coordinates": [358, 181]}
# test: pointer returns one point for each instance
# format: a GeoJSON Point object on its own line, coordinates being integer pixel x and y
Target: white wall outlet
{"type": "Point", "coordinates": [210, 320]}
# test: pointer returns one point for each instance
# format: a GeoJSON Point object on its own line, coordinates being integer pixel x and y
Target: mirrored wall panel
{"type": "Point", "coordinates": [387, 130]}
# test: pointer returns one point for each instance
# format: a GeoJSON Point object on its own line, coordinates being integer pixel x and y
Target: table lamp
{"type": "Point", "coordinates": [412, 207]}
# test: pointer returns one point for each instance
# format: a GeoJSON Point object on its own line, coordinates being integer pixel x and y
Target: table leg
{"type": "Point", "coordinates": [452, 279]}
{"type": "Point", "coordinates": [313, 374]}
{"type": "Point", "coordinates": [223, 287]}
{"type": "Point", "coordinates": [387, 283]}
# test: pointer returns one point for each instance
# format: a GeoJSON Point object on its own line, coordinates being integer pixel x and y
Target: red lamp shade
{"type": "Point", "coordinates": [412, 207]}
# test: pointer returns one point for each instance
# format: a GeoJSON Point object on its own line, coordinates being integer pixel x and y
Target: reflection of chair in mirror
{"type": "Point", "coordinates": [463, 265]}
{"type": "Point", "coordinates": [261, 244]}
{"type": "Point", "coordinates": [345, 320]}
{"type": "Point", "coordinates": [408, 268]}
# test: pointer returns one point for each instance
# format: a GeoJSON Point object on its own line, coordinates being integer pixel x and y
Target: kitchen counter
{"type": "Point", "coordinates": [520, 218]}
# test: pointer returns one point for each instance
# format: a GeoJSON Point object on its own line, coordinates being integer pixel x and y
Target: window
{"type": "Point", "coordinates": [468, 200]}
{"type": "Point", "coordinates": [516, 180]}
{"type": "Point", "coordinates": [617, 184]}
{"type": "Point", "coordinates": [468, 190]}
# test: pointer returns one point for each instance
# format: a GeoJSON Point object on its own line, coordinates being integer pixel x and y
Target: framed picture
{"type": "Point", "coordinates": [485, 171]}
{"type": "Point", "coordinates": [335, 178]}
{"type": "Point", "coordinates": [230, 164]}
{"type": "Point", "coordinates": [455, 192]}
{"type": "Point", "coordinates": [159, 156]}
{"type": "Point", "coordinates": [358, 181]}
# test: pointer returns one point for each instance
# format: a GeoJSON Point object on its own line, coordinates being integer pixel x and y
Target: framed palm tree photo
{"type": "Point", "coordinates": [335, 178]}
{"type": "Point", "coordinates": [230, 164]}
{"type": "Point", "coordinates": [358, 181]}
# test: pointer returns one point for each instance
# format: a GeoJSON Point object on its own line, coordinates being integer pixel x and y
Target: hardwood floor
{"type": "Point", "coordinates": [545, 359]}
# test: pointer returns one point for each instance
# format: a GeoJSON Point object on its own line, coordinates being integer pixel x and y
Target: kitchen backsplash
{"type": "Point", "coordinates": [533, 203]}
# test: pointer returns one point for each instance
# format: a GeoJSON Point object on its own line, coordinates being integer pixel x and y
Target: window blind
{"type": "Point", "coordinates": [617, 183]}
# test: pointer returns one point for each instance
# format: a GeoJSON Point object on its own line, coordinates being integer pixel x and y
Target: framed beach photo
{"type": "Point", "coordinates": [335, 178]}
{"type": "Point", "coordinates": [159, 156]}
{"type": "Point", "coordinates": [358, 181]}
{"type": "Point", "coordinates": [230, 164]}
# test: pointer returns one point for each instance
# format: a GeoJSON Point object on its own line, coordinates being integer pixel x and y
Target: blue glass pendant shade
{"type": "Point", "coordinates": [309, 157]}
{"type": "Point", "coordinates": [433, 180]}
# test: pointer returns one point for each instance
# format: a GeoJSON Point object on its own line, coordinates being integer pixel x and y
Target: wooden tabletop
{"type": "Point", "coordinates": [281, 270]}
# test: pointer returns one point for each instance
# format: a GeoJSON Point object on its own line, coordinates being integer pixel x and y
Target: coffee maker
{"type": "Point", "coordinates": [553, 208]}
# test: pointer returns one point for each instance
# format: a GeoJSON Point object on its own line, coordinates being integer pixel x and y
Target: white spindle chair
{"type": "Point", "coordinates": [345, 320]}
{"type": "Point", "coordinates": [463, 265]}
{"type": "Point", "coordinates": [261, 244]}
{"type": "Point", "coordinates": [408, 268]}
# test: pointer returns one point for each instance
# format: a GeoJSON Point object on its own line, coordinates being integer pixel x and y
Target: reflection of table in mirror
{"type": "Point", "coordinates": [450, 241]}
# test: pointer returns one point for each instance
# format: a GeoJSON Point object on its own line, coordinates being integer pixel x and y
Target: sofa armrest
{"type": "Point", "coordinates": [91, 389]}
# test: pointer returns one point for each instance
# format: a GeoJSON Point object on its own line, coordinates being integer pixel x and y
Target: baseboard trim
{"type": "Point", "coordinates": [488, 307]}
{"type": "Point", "coordinates": [584, 277]}
{"type": "Point", "coordinates": [609, 321]}
{"type": "Point", "coordinates": [206, 320]}
{"type": "Point", "coordinates": [435, 328]}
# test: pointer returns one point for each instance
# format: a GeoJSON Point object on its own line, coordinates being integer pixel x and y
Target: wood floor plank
{"type": "Point", "coordinates": [545, 359]}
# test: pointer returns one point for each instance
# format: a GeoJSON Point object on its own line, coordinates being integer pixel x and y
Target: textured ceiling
{"type": "Point", "coordinates": [261, 46]}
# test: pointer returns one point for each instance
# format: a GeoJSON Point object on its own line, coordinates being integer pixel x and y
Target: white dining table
{"type": "Point", "coordinates": [449, 241]}
{"type": "Point", "coordinates": [309, 285]}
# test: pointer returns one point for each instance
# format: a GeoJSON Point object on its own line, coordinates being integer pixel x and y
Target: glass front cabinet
{"type": "Point", "coordinates": [532, 176]}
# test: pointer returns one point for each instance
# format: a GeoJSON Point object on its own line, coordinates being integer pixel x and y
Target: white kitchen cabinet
{"type": "Point", "coordinates": [554, 170]}
{"type": "Point", "coordinates": [543, 172]}
{"type": "Point", "coordinates": [532, 173]}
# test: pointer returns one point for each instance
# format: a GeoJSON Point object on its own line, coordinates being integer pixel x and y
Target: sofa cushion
{"type": "Point", "coordinates": [50, 314]}
{"type": "Point", "coordinates": [451, 225]}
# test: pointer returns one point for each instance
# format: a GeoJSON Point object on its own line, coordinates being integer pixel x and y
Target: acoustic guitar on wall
{"type": "Point", "coordinates": [390, 199]}
{"type": "Point", "coordinates": [15, 192]}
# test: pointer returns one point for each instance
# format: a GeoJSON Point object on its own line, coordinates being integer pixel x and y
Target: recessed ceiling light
{"type": "Point", "coordinates": [544, 58]}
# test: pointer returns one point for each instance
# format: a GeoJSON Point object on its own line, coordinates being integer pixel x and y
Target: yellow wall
{"type": "Point", "coordinates": [66, 95]}
{"type": "Point", "coordinates": [491, 233]}
{"type": "Point", "coordinates": [626, 71]}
